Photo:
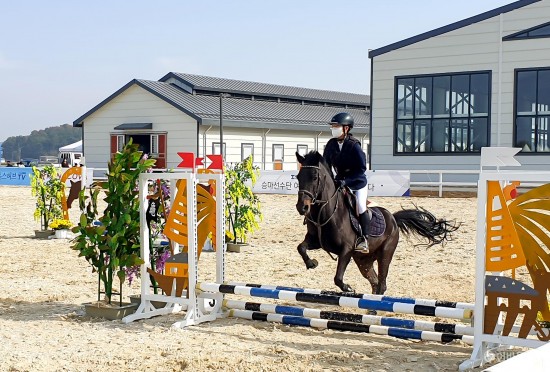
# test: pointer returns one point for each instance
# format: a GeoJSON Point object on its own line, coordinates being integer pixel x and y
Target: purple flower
{"type": "Point", "coordinates": [132, 273]}
{"type": "Point", "coordinates": [161, 261]}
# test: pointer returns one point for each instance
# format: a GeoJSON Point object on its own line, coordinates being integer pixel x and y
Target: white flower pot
{"type": "Point", "coordinates": [61, 234]}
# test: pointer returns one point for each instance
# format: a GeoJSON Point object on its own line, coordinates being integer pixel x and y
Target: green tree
{"type": "Point", "coordinates": [40, 142]}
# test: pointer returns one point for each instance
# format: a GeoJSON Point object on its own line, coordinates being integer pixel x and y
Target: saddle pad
{"type": "Point", "coordinates": [377, 223]}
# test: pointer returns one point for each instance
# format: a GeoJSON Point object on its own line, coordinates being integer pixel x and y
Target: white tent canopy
{"type": "Point", "coordinates": [73, 147]}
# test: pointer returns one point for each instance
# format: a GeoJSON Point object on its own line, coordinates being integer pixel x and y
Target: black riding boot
{"type": "Point", "coordinates": [364, 220]}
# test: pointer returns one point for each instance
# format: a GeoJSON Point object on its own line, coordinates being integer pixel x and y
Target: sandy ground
{"type": "Point", "coordinates": [44, 283]}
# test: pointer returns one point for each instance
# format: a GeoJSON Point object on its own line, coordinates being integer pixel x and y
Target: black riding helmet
{"type": "Point", "coordinates": [342, 118]}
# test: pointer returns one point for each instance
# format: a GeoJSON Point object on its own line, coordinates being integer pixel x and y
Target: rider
{"type": "Point", "coordinates": [343, 153]}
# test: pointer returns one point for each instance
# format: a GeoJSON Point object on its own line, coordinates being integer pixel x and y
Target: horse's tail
{"type": "Point", "coordinates": [421, 222]}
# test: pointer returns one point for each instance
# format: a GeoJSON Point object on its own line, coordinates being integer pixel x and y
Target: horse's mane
{"type": "Point", "coordinates": [316, 159]}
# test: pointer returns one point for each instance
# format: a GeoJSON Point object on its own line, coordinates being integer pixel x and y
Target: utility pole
{"type": "Point", "coordinates": [222, 95]}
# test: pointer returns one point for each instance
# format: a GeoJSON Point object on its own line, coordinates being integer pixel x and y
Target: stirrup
{"type": "Point", "coordinates": [363, 245]}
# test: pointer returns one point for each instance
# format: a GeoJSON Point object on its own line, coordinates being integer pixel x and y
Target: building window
{"type": "Point", "coordinates": [121, 141]}
{"type": "Point", "coordinates": [278, 152]}
{"type": "Point", "coordinates": [216, 149]}
{"type": "Point", "coordinates": [444, 113]}
{"type": "Point", "coordinates": [154, 144]}
{"type": "Point", "coordinates": [247, 149]}
{"type": "Point", "coordinates": [302, 149]}
{"type": "Point", "coordinates": [537, 32]}
{"type": "Point", "coordinates": [532, 110]}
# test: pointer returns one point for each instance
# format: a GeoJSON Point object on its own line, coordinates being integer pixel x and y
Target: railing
{"type": "Point", "coordinates": [441, 182]}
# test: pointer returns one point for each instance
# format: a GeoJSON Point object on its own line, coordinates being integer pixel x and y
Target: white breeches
{"type": "Point", "coordinates": [361, 195]}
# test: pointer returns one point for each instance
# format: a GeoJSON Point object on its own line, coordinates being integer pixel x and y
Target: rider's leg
{"type": "Point", "coordinates": [364, 218]}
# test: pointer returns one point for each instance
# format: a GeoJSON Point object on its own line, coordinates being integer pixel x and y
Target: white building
{"type": "Point", "coordinates": [438, 97]}
{"type": "Point", "coordinates": [181, 113]}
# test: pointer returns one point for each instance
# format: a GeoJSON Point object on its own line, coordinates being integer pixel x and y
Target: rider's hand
{"type": "Point", "coordinates": [340, 183]}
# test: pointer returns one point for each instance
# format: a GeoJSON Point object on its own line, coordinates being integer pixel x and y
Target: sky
{"type": "Point", "coordinates": [59, 58]}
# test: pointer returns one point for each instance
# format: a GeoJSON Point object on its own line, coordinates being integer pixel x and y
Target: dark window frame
{"type": "Point", "coordinates": [524, 34]}
{"type": "Point", "coordinates": [242, 149]}
{"type": "Point", "coordinates": [535, 116]}
{"type": "Point", "coordinates": [301, 145]}
{"type": "Point", "coordinates": [273, 152]}
{"type": "Point", "coordinates": [449, 117]}
{"type": "Point", "coordinates": [224, 148]}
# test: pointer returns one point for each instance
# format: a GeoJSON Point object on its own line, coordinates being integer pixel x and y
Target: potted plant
{"type": "Point", "coordinates": [61, 227]}
{"type": "Point", "coordinates": [111, 243]}
{"type": "Point", "coordinates": [47, 187]}
{"type": "Point", "coordinates": [242, 209]}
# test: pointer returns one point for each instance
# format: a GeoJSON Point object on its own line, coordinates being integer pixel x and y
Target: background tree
{"type": "Point", "coordinates": [40, 142]}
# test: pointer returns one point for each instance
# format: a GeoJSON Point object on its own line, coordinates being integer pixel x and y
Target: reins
{"type": "Point", "coordinates": [323, 203]}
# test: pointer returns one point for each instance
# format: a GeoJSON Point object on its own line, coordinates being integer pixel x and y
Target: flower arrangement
{"type": "Point", "coordinates": [47, 187]}
{"type": "Point", "coordinates": [61, 224]}
{"type": "Point", "coordinates": [114, 245]}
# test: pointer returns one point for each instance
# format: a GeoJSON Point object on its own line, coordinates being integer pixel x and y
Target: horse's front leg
{"type": "Point", "coordinates": [343, 261]}
{"type": "Point", "coordinates": [310, 242]}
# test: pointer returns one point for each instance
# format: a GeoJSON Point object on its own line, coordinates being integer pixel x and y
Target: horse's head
{"type": "Point", "coordinates": [314, 178]}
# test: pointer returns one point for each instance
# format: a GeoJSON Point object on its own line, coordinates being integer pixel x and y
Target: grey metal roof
{"type": "Point", "coordinates": [453, 26]}
{"type": "Point", "coordinates": [215, 84]}
{"type": "Point", "coordinates": [234, 109]}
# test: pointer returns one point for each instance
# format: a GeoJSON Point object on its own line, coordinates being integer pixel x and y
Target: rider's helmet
{"type": "Point", "coordinates": [342, 118]}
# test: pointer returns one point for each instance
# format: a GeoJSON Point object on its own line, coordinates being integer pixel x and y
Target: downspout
{"type": "Point", "coordinates": [368, 149]}
{"type": "Point", "coordinates": [499, 107]}
{"type": "Point", "coordinates": [317, 141]}
{"type": "Point", "coordinates": [264, 145]}
{"type": "Point", "coordinates": [204, 141]}
{"type": "Point", "coordinates": [83, 140]}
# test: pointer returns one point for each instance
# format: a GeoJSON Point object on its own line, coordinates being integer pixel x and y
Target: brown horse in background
{"type": "Point", "coordinates": [329, 226]}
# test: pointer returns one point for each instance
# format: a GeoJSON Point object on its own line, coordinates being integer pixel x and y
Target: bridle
{"type": "Point", "coordinates": [316, 201]}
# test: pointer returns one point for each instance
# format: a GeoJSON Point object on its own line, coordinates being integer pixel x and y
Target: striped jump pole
{"type": "Point", "coordinates": [352, 327]}
{"type": "Point", "coordinates": [360, 303]}
{"type": "Point", "coordinates": [374, 297]}
{"type": "Point", "coordinates": [422, 325]}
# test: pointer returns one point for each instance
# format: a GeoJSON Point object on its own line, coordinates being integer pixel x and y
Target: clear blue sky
{"type": "Point", "coordinates": [60, 58]}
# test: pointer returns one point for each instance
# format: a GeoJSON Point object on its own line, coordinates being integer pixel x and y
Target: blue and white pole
{"type": "Point", "coordinates": [352, 327]}
{"type": "Point", "coordinates": [406, 300]}
{"type": "Point", "coordinates": [422, 325]}
{"type": "Point", "coordinates": [396, 307]}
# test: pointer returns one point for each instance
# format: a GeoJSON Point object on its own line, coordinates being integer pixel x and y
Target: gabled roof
{"type": "Point", "coordinates": [221, 85]}
{"type": "Point", "coordinates": [205, 109]}
{"type": "Point", "coordinates": [453, 26]}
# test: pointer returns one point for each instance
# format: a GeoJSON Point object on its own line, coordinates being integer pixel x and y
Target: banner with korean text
{"type": "Point", "coordinates": [381, 183]}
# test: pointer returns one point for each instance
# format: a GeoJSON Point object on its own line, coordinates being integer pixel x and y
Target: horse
{"type": "Point", "coordinates": [329, 226]}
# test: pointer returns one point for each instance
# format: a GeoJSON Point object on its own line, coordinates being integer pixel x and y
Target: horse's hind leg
{"type": "Point", "coordinates": [310, 242]}
{"type": "Point", "coordinates": [384, 260]}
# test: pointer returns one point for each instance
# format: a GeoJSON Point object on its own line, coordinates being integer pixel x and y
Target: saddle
{"type": "Point", "coordinates": [377, 221]}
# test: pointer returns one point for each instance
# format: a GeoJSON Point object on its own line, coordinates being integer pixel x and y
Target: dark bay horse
{"type": "Point", "coordinates": [329, 226]}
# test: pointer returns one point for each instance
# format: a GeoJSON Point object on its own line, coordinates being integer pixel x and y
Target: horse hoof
{"type": "Point", "coordinates": [312, 264]}
{"type": "Point", "coordinates": [347, 288]}
{"type": "Point", "coordinates": [372, 312]}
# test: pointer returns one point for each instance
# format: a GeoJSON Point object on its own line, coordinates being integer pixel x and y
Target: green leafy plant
{"type": "Point", "coordinates": [243, 209]}
{"type": "Point", "coordinates": [111, 244]}
{"type": "Point", "coordinates": [47, 187]}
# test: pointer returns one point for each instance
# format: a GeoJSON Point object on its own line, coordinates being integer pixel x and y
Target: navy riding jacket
{"type": "Point", "coordinates": [350, 163]}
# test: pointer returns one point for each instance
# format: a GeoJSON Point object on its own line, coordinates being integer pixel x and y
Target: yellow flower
{"type": "Point", "coordinates": [60, 224]}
